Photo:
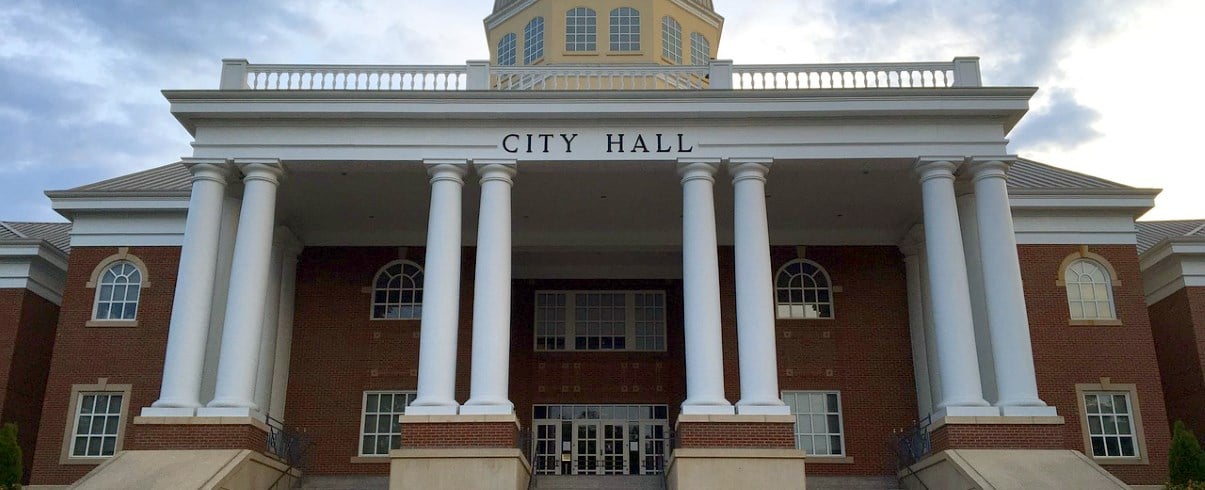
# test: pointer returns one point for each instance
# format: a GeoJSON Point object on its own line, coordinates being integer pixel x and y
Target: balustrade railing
{"type": "Point", "coordinates": [719, 74]}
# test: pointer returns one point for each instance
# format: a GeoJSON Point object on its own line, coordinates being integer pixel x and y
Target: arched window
{"type": "Point", "coordinates": [1089, 290]}
{"type": "Point", "coordinates": [671, 40]}
{"type": "Point", "coordinates": [700, 49]}
{"type": "Point", "coordinates": [507, 50]}
{"type": "Point", "coordinates": [803, 291]}
{"type": "Point", "coordinates": [117, 291]}
{"type": "Point", "coordinates": [533, 41]}
{"type": "Point", "coordinates": [581, 29]}
{"type": "Point", "coordinates": [397, 292]}
{"type": "Point", "coordinates": [625, 29]}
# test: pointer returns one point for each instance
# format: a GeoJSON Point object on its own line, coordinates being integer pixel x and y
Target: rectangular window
{"type": "Point", "coordinates": [1111, 424]}
{"type": "Point", "coordinates": [97, 424]}
{"type": "Point", "coordinates": [380, 427]}
{"type": "Point", "coordinates": [600, 320]}
{"type": "Point", "coordinates": [818, 425]}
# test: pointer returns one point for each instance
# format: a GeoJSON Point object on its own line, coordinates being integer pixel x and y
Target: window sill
{"type": "Point", "coordinates": [625, 53]}
{"type": "Point", "coordinates": [1095, 323]}
{"type": "Point", "coordinates": [580, 53]}
{"type": "Point", "coordinates": [85, 461]}
{"type": "Point", "coordinates": [369, 460]}
{"type": "Point", "coordinates": [829, 460]}
{"type": "Point", "coordinates": [111, 323]}
{"type": "Point", "coordinates": [1120, 461]}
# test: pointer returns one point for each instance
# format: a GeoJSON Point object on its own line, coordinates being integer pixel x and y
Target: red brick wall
{"type": "Point", "coordinates": [123, 355]}
{"type": "Point", "coordinates": [1179, 327]}
{"type": "Point", "coordinates": [1067, 355]}
{"type": "Point", "coordinates": [997, 436]}
{"type": "Point", "coordinates": [864, 351]}
{"type": "Point", "coordinates": [195, 436]}
{"type": "Point", "coordinates": [460, 435]}
{"type": "Point", "coordinates": [27, 331]}
{"type": "Point", "coordinates": [736, 435]}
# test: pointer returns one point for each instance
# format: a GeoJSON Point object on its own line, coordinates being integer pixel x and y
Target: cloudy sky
{"type": "Point", "coordinates": [80, 79]}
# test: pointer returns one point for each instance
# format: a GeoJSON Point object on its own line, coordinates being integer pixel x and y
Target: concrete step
{"type": "Point", "coordinates": [598, 482]}
{"type": "Point", "coordinates": [345, 482]}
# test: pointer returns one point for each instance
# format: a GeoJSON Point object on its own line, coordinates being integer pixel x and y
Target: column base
{"type": "Point", "coordinates": [1030, 411]}
{"type": "Point", "coordinates": [487, 409]}
{"type": "Point", "coordinates": [762, 409]}
{"type": "Point", "coordinates": [964, 411]}
{"type": "Point", "coordinates": [708, 410]}
{"type": "Point", "coordinates": [477, 468]}
{"type": "Point", "coordinates": [157, 433]}
{"type": "Point", "coordinates": [996, 433]}
{"type": "Point", "coordinates": [229, 412]}
{"type": "Point", "coordinates": [736, 468]}
{"type": "Point", "coordinates": [432, 409]}
{"type": "Point", "coordinates": [168, 412]}
{"type": "Point", "coordinates": [736, 431]}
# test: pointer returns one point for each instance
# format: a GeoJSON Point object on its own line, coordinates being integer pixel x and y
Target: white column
{"type": "Point", "coordinates": [489, 392]}
{"type": "Point", "coordinates": [284, 334]}
{"type": "Point", "coordinates": [758, 356]}
{"type": "Point", "coordinates": [1007, 319]}
{"type": "Point", "coordinates": [180, 393]}
{"type": "Point", "coordinates": [441, 293]}
{"type": "Point", "coordinates": [235, 391]}
{"type": "Point", "coordinates": [934, 367]}
{"type": "Point", "coordinates": [975, 278]}
{"type": "Point", "coordinates": [269, 328]}
{"type": "Point", "coordinates": [701, 291]}
{"type": "Point", "coordinates": [961, 392]}
{"type": "Point", "coordinates": [916, 324]}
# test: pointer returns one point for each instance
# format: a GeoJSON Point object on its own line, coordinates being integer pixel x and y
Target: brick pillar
{"type": "Point", "coordinates": [997, 433]}
{"type": "Point", "coordinates": [159, 433]}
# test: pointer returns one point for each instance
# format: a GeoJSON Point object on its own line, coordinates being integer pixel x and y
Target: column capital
{"type": "Point", "coordinates": [265, 169]}
{"type": "Point", "coordinates": [749, 168]}
{"type": "Point", "coordinates": [936, 167]}
{"type": "Point", "coordinates": [496, 170]}
{"type": "Point", "coordinates": [981, 168]}
{"type": "Point", "coordinates": [452, 170]}
{"type": "Point", "coordinates": [211, 169]}
{"type": "Point", "coordinates": [698, 168]}
{"type": "Point", "coordinates": [913, 243]}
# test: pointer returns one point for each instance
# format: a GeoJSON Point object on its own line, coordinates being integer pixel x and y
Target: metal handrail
{"type": "Point", "coordinates": [289, 446]}
{"type": "Point", "coordinates": [911, 445]}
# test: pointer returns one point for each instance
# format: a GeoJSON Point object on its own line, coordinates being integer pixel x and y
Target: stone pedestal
{"type": "Point", "coordinates": [996, 433]}
{"type": "Point", "coordinates": [459, 451]}
{"type": "Point", "coordinates": [736, 451]}
{"type": "Point", "coordinates": [154, 433]}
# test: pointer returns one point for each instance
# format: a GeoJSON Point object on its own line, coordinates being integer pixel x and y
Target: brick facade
{"type": "Point", "coordinates": [82, 354]}
{"type": "Point", "coordinates": [1067, 355]}
{"type": "Point", "coordinates": [1179, 329]}
{"type": "Point", "coordinates": [460, 435]}
{"type": "Point", "coordinates": [760, 435]}
{"type": "Point", "coordinates": [997, 436]}
{"type": "Point", "coordinates": [195, 436]}
{"type": "Point", "coordinates": [27, 332]}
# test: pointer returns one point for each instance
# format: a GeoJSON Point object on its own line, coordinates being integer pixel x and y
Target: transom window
{"type": "Point", "coordinates": [533, 41]}
{"type": "Point", "coordinates": [397, 292]}
{"type": "Point", "coordinates": [803, 291]}
{"type": "Point", "coordinates": [581, 30]}
{"type": "Point", "coordinates": [1111, 424]}
{"type": "Point", "coordinates": [625, 29]}
{"type": "Point", "coordinates": [700, 49]}
{"type": "Point", "coordinates": [671, 40]}
{"type": "Point", "coordinates": [600, 320]}
{"type": "Point", "coordinates": [1089, 291]}
{"type": "Point", "coordinates": [507, 49]}
{"type": "Point", "coordinates": [818, 425]}
{"type": "Point", "coordinates": [380, 427]}
{"type": "Point", "coordinates": [97, 422]}
{"type": "Point", "coordinates": [118, 292]}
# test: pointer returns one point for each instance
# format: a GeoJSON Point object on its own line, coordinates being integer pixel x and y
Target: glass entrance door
{"type": "Point", "coordinates": [600, 439]}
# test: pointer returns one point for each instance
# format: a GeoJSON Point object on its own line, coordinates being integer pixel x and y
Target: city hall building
{"type": "Point", "coordinates": [603, 257]}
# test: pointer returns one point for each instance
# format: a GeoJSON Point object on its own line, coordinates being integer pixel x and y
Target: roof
{"type": "Point", "coordinates": [1031, 175]}
{"type": "Point", "coordinates": [1150, 233]}
{"type": "Point", "coordinates": [57, 234]}
{"type": "Point", "coordinates": [170, 177]}
{"type": "Point", "coordinates": [502, 4]}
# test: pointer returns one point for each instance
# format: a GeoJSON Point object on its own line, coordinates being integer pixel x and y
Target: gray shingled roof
{"type": "Point", "coordinates": [501, 4]}
{"type": "Point", "coordinates": [170, 177]}
{"type": "Point", "coordinates": [1031, 175]}
{"type": "Point", "coordinates": [57, 234]}
{"type": "Point", "coordinates": [1151, 233]}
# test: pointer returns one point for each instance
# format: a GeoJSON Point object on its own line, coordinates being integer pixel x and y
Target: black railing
{"type": "Point", "coordinates": [288, 445]}
{"type": "Point", "coordinates": [912, 445]}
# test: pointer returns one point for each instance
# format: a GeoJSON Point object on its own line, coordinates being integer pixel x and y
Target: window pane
{"type": "Point", "coordinates": [1098, 446]}
{"type": "Point", "coordinates": [1127, 447]}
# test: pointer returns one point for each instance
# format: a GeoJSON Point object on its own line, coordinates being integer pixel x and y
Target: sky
{"type": "Point", "coordinates": [80, 80]}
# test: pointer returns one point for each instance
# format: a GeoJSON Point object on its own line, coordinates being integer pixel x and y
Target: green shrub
{"type": "Point", "coordinates": [10, 458]}
{"type": "Point", "coordinates": [1186, 460]}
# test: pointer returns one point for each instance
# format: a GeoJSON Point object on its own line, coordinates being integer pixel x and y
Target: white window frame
{"type": "Point", "coordinates": [416, 292]}
{"type": "Point", "coordinates": [75, 407]}
{"type": "Point", "coordinates": [533, 41]}
{"type": "Point", "coordinates": [700, 49]}
{"type": "Point", "coordinates": [393, 417]}
{"type": "Point", "coordinates": [1072, 280]}
{"type": "Point", "coordinates": [101, 284]}
{"type": "Point", "coordinates": [581, 30]}
{"type": "Point", "coordinates": [791, 398]}
{"type": "Point", "coordinates": [625, 30]}
{"type": "Point", "coordinates": [508, 50]}
{"type": "Point", "coordinates": [631, 329]}
{"type": "Point", "coordinates": [671, 40]}
{"type": "Point", "coordinates": [1107, 387]}
{"type": "Point", "coordinates": [799, 310]}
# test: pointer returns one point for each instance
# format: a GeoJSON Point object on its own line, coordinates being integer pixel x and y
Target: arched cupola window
{"type": "Point", "coordinates": [1089, 290]}
{"type": "Point", "coordinates": [671, 40]}
{"type": "Point", "coordinates": [700, 49]}
{"type": "Point", "coordinates": [507, 50]}
{"type": "Point", "coordinates": [581, 30]}
{"type": "Point", "coordinates": [803, 290]}
{"type": "Point", "coordinates": [625, 29]}
{"type": "Point", "coordinates": [533, 41]}
{"type": "Point", "coordinates": [118, 290]}
{"type": "Point", "coordinates": [397, 292]}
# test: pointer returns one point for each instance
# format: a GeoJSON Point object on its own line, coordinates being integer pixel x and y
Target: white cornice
{"type": "Point", "coordinates": [497, 18]}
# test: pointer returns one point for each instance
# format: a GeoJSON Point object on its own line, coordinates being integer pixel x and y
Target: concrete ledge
{"type": "Point", "coordinates": [1013, 468]}
{"type": "Point", "coordinates": [459, 419]}
{"type": "Point", "coordinates": [202, 421]}
{"type": "Point", "coordinates": [708, 468]}
{"type": "Point", "coordinates": [737, 419]}
{"type": "Point", "coordinates": [996, 420]}
{"type": "Point", "coordinates": [468, 468]}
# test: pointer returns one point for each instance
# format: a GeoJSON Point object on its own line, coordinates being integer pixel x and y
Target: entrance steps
{"type": "Point", "coordinates": [345, 482]}
{"type": "Point", "coordinates": [595, 482]}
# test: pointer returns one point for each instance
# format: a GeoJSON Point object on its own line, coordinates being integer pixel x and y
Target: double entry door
{"type": "Point", "coordinates": [601, 439]}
